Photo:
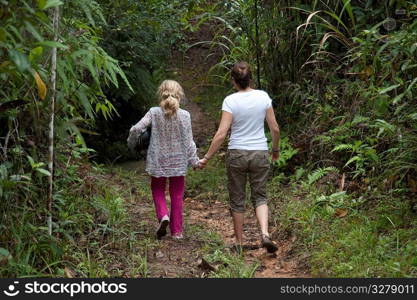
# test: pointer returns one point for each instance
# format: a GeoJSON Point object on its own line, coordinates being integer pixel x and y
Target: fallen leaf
{"type": "Point", "coordinates": [4, 64]}
{"type": "Point", "coordinates": [366, 73]}
{"type": "Point", "coordinates": [204, 265]}
{"type": "Point", "coordinates": [342, 182]}
{"type": "Point", "coordinates": [68, 272]}
{"type": "Point", "coordinates": [412, 184]}
{"type": "Point", "coordinates": [199, 206]}
{"type": "Point", "coordinates": [159, 254]}
{"type": "Point", "coordinates": [41, 86]}
{"type": "Point", "coordinates": [4, 254]}
{"type": "Point", "coordinates": [340, 213]}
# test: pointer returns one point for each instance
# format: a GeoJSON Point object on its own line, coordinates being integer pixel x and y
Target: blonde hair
{"type": "Point", "coordinates": [170, 94]}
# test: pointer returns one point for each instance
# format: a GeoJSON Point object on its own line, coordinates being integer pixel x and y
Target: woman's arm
{"type": "Point", "coordinates": [274, 128]}
{"type": "Point", "coordinates": [218, 139]}
{"type": "Point", "coordinates": [138, 128]}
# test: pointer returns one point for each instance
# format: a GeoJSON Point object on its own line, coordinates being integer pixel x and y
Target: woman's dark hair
{"type": "Point", "coordinates": [242, 74]}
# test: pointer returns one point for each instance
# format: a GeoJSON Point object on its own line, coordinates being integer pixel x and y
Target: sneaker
{"type": "Point", "coordinates": [177, 236]}
{"type": "Point", "coordinates": [162, 229]}
{"type": "Point", "coordinates": [268, 244]}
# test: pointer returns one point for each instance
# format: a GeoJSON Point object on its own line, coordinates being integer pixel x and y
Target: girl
{"type": "Point", "coordinates": [171, 151]}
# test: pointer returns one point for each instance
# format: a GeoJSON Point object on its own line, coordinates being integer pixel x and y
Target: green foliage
{"type": "Point", "coordinates": [286, 153]}
{"type": "Point", "coordinates": [206, 185]}
{"type": "Point", "coordinates": [347, 235]}
{"type": "Point", "coordinates": [231, 266]}
{"type": "Point", "coordinates": [81, 62]}
{"type": "Point", "coordinates": [319, 173]}
{"type": "Point", "coordinates": [112, 211]}
{"type": "Point", "coordinates": [319, 59]}
{"type": "Point", "coordinates": [84, 68]}
{"type": "Point", "coordinates": [140, 266]}
{"type": "Point", "coordinates": [233, 18]}
{"type": "Point", "coordinates": [89, 218]}
{"type": "Point", "coordinates": [142, 36]}
{"type": "Point", "coordinates": [343, 83]}
{"type": "Point", "coordinates": [224, 263]}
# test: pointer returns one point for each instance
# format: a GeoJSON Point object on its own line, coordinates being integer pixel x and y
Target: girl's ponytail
{"type": "Point", "coordinates": [170, 94]}
{"type": "Point", "coordinates": [170, 105]}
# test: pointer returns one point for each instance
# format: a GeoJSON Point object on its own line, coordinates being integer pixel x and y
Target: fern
{"type": "Point", "coordinates": [384, 127]}
{"type": "Point", "coordinates": [319, 173]}
{"type": "Point", "coordinates": [322, 139]}
{"type": "Point", "coordinates": [359, 119]}
{"type": "Point", "coordinates": [343, 147]}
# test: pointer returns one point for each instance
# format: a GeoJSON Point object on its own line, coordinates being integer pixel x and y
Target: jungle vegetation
{"type": "Point", "coordinates": [343, 78]}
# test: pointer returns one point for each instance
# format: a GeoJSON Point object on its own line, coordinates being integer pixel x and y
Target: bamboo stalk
{"type": "Point", "coordinates": [51, 122]}
{"type": "Point", "coordinates": [258, 64]}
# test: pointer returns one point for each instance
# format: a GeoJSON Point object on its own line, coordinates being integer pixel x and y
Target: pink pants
{"type": "Point", "coordinates": [176, 192]}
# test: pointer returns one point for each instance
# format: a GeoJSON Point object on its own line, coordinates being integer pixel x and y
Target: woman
{"type": "Point", "coordinates": [245, 112]}
{"type": "Point", "coordinates": [171, 151]}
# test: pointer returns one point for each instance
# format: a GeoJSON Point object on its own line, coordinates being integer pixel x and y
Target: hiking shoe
{"type": "Point", "coordinates": [177, 236]}
{"type": "Point", "coordinates": [268, 244]}
{"type": "Point", "coordinates": [162, 229]}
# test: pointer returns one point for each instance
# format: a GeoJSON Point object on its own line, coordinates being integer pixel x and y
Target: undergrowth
{"type": "Point", "coordinates": [348, 235]}
{"type": "Point", "coordinates": [91, 225]}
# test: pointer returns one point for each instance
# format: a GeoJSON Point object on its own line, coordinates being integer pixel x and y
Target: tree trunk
{"type": "Point", "coordinates": [51, 123]}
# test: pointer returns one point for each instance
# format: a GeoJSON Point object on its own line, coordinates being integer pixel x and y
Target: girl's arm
{"type": "Point", "coordinates": [191, 149]}
{"type": "Point", "coordinates": [138, 128]}
{"type": "Point", "coordinates": [218, 139]}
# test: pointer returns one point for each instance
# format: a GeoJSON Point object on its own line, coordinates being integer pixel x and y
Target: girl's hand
{"type": "Point", "coordinates": [202, 163]}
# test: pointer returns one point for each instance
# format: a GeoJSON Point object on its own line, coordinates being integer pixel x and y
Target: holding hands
{"type": "Point", "coordinates": [202, 163]}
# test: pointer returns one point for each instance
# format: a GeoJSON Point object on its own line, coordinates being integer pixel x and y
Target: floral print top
{"type": "Point", "coordinates": [171, 149]}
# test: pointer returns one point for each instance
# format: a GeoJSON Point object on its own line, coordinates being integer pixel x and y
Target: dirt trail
{"type": "Point", "coordinates": [192, 74]}
{"type": "Point", "coordinates": [216, 216]}
{"type": "Point", "coordinates": [183, 258]}
{"type": "Point", "coordinates": [172, 258]}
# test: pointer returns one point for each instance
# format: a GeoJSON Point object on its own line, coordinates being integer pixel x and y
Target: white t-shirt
{"type": "Point", "coordinates": [249, 111]}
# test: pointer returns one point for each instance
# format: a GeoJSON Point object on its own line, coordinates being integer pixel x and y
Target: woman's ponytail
{"type": "Point", "coordinates": [242, 74]}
